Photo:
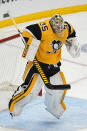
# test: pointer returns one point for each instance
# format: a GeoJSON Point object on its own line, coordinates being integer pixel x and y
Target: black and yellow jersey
{"type": "Point", "coordinates": [48, 51]}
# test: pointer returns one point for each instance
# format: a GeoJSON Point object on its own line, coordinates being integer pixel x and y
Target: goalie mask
{"type": "Point", "coordinates": [57, 24]}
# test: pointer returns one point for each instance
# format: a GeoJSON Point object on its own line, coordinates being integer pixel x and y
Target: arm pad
{"type": "Point", "coordinates": [73, 47]}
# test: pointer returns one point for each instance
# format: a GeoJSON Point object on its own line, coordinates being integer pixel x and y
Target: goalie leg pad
{"type": "Point", "coordinates": [54, 98]}
{"type": "Point", "coordinates": [24, 96]}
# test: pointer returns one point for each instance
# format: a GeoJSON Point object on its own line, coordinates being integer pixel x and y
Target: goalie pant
{"type": "Point", "coordinates": [29, 90]}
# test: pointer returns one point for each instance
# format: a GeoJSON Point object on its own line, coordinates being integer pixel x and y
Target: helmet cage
{"type": "Point", "coordinates": [57, 23]}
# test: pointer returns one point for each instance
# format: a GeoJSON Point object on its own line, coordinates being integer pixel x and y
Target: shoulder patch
{"type": "Point", "coordinates": [35, 30]}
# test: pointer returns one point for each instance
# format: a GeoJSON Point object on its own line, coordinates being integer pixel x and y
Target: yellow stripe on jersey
{"type": "Point", "coordinates": [22, 94]}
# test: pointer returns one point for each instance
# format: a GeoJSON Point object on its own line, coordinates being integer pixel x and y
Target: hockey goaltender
{"type": "Point", "coordinates": [43, 52]}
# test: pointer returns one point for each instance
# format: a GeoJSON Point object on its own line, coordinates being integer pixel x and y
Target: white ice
{"type": "Point", "coordinates": [34, 116]}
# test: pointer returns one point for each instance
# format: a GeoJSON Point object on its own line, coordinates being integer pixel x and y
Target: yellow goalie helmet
{"type": "Point", "coordinates": [57, 23]}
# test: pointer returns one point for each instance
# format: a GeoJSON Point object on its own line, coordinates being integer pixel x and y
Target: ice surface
{"type": "Point", "coordinates": [35, 118]}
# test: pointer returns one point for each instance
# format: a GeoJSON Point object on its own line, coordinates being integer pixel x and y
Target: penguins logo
{"type": "Point", "coordinates": [56, 45]}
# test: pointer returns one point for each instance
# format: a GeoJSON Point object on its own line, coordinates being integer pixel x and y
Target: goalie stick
{"type": "Point", "coordinates": [14, 23]}
{"type": "Point", "coordinates": [46, 81]}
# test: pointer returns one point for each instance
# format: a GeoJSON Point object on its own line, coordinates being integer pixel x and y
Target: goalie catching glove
{"type": "Point", "coordinates": [73, 47]}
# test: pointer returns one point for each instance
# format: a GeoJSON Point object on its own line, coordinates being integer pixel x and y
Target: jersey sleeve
{"type": "Point", "coordinates": [34, 30]}
{"type": "Point", "coordinates": [71, 31]}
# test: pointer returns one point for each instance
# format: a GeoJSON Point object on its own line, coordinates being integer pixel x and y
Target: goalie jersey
{"type": "Point", "coordinates": [49, 50]}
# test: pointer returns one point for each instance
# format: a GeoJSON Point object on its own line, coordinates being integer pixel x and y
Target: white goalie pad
{"type": "Point", "coordinates": [73, 47]}
{"type": "Point", "coordinates": [53, 97]}
{"type": "Point", "coordinates": [33, 50]}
